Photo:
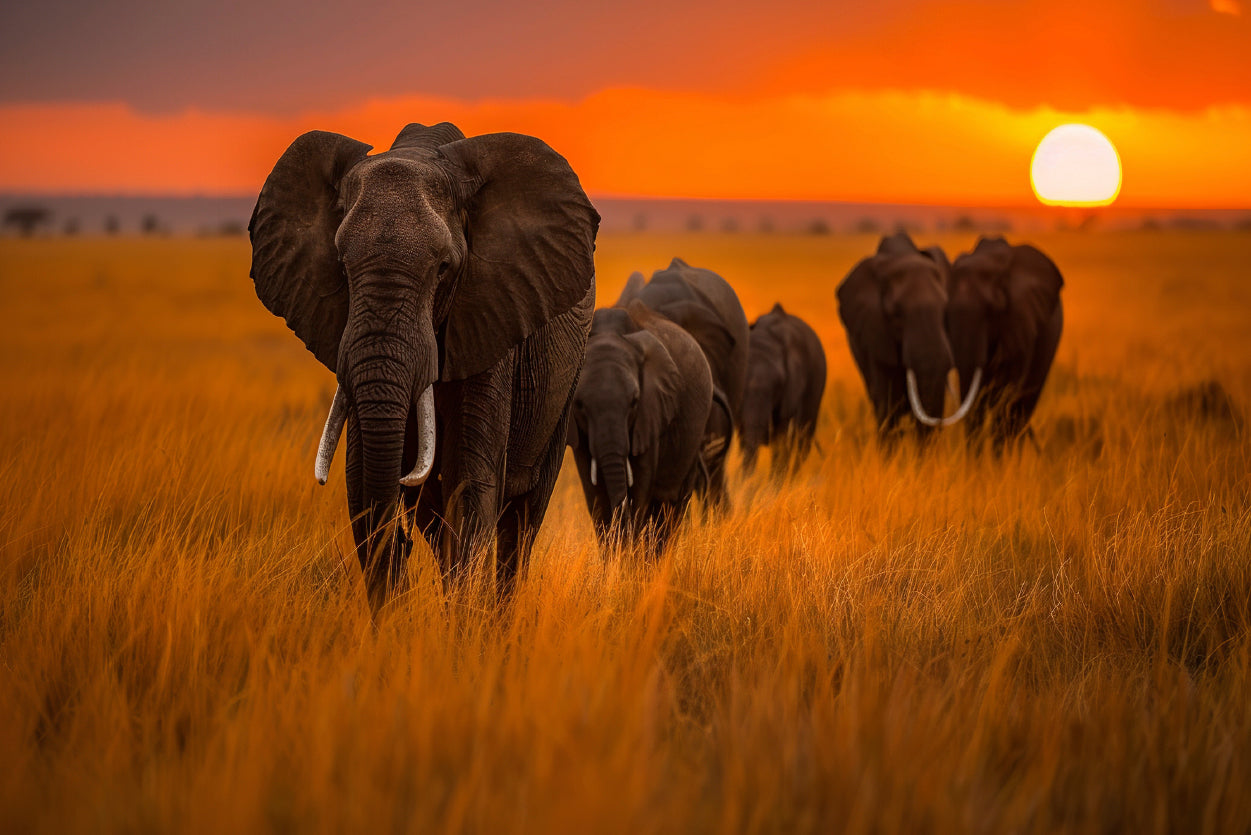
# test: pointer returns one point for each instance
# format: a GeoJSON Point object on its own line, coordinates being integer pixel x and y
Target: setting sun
{"type": "Point", "coordinates": [1076, 165]}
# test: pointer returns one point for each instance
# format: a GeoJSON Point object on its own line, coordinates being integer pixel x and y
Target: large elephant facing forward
{"type": "Point", "coordinates": [1005, 318]}
{"type": "Point", "coordinates": [893, 305]}
{"type": "Point", "coordinates": [449, 284]}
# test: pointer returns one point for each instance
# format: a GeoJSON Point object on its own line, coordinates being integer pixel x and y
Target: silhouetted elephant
{"type": "Point", "coordinates": [449, 284]}
{"type": "Point", "coordinates": [785, 381]}
{"type": "Point", "coordinates": [707, 308]}
{"type": "Point", "coordinates": [893, 306]}
{"type": "Point", "coordinates": [1004, 318]}
{"type": "Point", "coordinates": [638, 419]}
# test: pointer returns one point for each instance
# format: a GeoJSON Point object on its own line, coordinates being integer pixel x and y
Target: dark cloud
{"type": "Point", "coordinates": [287, 56]}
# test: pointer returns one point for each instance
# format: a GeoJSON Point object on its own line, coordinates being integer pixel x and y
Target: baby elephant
{"type": "Point", "coordinates": [785, 381]}
{"type": "Point", "coordinates": [637, 421]}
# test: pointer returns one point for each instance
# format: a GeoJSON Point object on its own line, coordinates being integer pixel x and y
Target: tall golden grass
{"type": "Point", "coordinates": [1054, 641]}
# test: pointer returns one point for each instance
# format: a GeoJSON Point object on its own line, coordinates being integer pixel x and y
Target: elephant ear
{"type": "Point", "coordinates": [295, 265]}
{"type": "Point", "coordinates": [633, 286]}
{"type": "Point", "coordinates": [659, 386]}
{"type": "Point", "coordinates": [531, 235]}
{"type": "Point", "coordinates": [702, 322]}
{"type": "Point", "coordinates": [939, 257]}
{"type": "Point", "coordinates": [860, 306]}
{"type": "Point", "coordinates": [1032, 285]}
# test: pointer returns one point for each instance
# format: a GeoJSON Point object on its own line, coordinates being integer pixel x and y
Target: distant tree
{"type": "Point", "coordinates": [71, 227]}
{"type": "Point", "coordinates": [150, 225]}
{"type": "Point", "coordinates": [26, 219]}
{"type": "Point", "coordinates": [112, 225]}
{"type": "Point", "coordinates": [965, 223]}
{"type": "Point", "coordinates": [640, 222]}
{"type": "Point", "coordinates": [819, 226]}
{"type": "Point", "coordinates": [766, 225]}
{"type": "Point", "coordinates": [1243, 225]}
{"type": "Point", "coordinates": [231, 228]}
{"type": "Point", "coordinates": [695, 223]}
{"type": "Point", "coordinates": [1194, 223]}
{"type": "Point", "coordinates": [730, 225]}
{"type": "Point", "coordinates": [867, 226]}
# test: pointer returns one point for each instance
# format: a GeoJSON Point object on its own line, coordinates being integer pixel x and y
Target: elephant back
{"type": "Point", "coordinates": [705, 306]}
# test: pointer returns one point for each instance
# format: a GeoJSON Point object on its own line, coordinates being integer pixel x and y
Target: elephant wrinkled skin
{"type": "Point", "coordinates": [1005, 317]}
{"type": "Point", "coordinates": [705, 306]}
{"type": "Point", "coordinates": [449, 285]}
{"type": "Point", "coordinates": [638, 419]}
{"type": "Point", "coordinates": [893, 306]}
{"type": "Point", "coordinates": [785, 382]}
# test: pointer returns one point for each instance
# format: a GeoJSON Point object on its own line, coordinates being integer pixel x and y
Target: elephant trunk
{"type": "Point", "coordinates": [387, 363]}
{"type": "Point", "coordinates": [614, 472]}
{"type": "Point", "coordinates": [970, 340]}
{"type": "Point", "coordinates": [610, 462]}
{"type": "Point", "coordinates": [927, 360]}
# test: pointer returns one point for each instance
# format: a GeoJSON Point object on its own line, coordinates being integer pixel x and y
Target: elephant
{"type": "Point", "coordinates": [785, 381]}
{"type": "Point", "coordinates": [705, 306]}
{"type": "Point", "coordinates": [1004, 318]}
{"type": "Point", "coordinates": [638, 419]}
{"type": "Point", "coordinates": [448, 283]}
{"type": "Point", "coordinates": [893, 306]}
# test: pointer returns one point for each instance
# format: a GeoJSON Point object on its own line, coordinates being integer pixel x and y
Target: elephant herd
{"type": "Point", "coordinates": [449, 284]}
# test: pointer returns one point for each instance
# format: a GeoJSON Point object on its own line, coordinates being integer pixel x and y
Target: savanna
{"type": "Point", "coordinates": [1058, 639]}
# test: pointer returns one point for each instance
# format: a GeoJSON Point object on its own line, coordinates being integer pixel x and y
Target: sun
{"type": "Point", "coordinates": [1076, 165]}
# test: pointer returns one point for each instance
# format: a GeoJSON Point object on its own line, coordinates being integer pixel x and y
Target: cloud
{"type": "Point", "coordinates": [1231, 7]}
{"type": "Point", "coordinates": [889, 146]}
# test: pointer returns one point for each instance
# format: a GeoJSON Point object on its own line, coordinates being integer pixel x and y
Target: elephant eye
{"type": "Point", "coordinates": [444, 266]}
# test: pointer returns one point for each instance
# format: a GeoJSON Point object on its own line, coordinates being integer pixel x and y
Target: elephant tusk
{"type": "Point", "coordinates": [629, 474]}
{"type": "Point", "coordinates": [594, 473]}
{"type": "Point", "coordinates": [330, 435]}
{"type": "Point", "coordinates": [914, 400]}
{"type": "Point", "coordinates": [952, 388]}
{"type": "Point", "coordinates": [968, 401]}
{"type": "Point", "coordinates": [425, 440]}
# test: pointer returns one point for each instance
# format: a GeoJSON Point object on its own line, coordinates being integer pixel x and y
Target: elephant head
{"type": "Point", "coordinates": [893, 306]}
{"type": "Point", "coordinates": [629, 392]}
{"type": "Point", "coordinates": [425, 263]}
{"type": "Point", "coordinates": [1000, 298]}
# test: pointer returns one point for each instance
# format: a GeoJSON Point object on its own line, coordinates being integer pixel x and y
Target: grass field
{"type": "Point", "coordinates": [939, 643]}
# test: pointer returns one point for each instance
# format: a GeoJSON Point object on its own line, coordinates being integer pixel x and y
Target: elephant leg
{"type": "Point", "coordinates": [424, 504]}
{"type": "Point", "coordinates": [476, 415]}
{"type": "Point", "coordinates": [524, 514]}
{"type": "Point", "coordinates": [382, 556]}
{"type": "Point", "coordinates": [543, 372]}
{"type": "Point", "coordinates": [666, 517]}
{"type": "Point", "coordinates": [718, 435]}
{"type": "Point", "coordinates": [806, 435]}
{"type": "Point", "coordinates": [889, 394]}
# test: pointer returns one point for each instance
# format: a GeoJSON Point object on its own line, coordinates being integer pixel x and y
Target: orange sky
{"type": "Point", "coordinates": [915, 101]}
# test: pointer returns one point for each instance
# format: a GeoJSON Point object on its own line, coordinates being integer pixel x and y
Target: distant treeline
{"type": "Point", "coordinates": [28, 216]}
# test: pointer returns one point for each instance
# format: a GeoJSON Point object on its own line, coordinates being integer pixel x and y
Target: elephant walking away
{"type": "Point", "coordinates": [705, 306]}
{"type": "Point", "coordinates": [638, 420]}
{"type": "Point", "coordinates": [448, 283]}
{"type": "Point", "coordinates": [1004, 318]}
{"type": "Point", "coordinates": [893, 306]}
{"type": "Point", "coordinates": [785, 382]}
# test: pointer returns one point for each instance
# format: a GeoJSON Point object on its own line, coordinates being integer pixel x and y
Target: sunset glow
{"type": "Point", "coordinates": [909, 101]}
{"type": "Point", "coordinates": [1076, 165]}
